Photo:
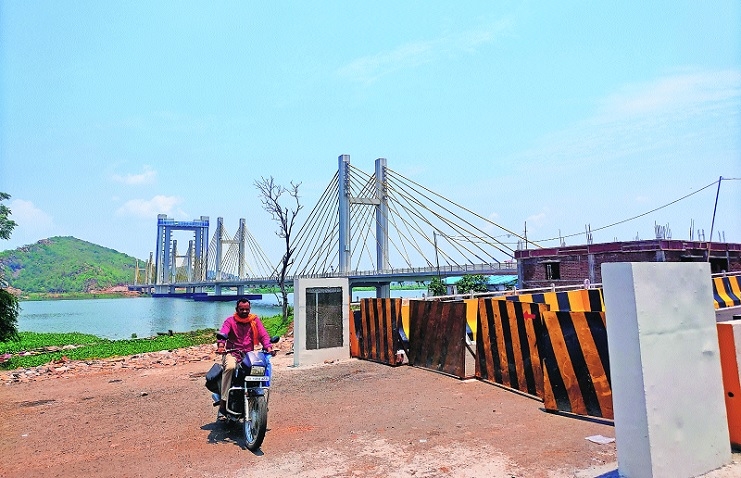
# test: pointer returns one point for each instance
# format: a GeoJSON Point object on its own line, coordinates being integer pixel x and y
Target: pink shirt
{"type": "Point", "coordinates": [240, 335]}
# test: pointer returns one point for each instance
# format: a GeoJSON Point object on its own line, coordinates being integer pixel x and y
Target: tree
{"type": "Point", "coordinates": [6, 225]}
{"type": "Point", "coordinates": [9, 308]}
{"type": "Point", "coordinates": [472, 283]}
{"type": "Point", "coordinates": [436, 287]}
{"type": "Point", "coordinates": [270, 196]}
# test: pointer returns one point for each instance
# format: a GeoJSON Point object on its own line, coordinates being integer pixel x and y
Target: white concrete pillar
{"type": "Point", "coordinates": [670, 418]}
{"type": "Point", "coordinates": [308, 289]}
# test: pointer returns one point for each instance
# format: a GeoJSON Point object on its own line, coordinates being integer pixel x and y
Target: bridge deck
{"type": "Point", "coordinates": [356, 278]}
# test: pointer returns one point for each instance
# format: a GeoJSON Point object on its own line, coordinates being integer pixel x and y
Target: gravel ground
{"type": "Point", "coordinates": [151, 416]}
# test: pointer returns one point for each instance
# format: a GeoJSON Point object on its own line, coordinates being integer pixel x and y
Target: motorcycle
{"type": "Point", "coordinates": [247, 403]}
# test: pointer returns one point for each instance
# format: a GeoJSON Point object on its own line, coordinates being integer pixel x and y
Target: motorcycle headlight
{"type": "Point", "coordinates": [257, 370]}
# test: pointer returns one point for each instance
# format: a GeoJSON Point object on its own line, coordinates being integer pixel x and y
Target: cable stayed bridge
{"type": "Point", "coordinates": [373, 228]}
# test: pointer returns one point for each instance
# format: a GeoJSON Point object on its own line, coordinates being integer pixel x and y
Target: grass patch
{"type": "Point", "coordinates": [45, 347]}
{"type": "Point", "coordinates": [275, 325]}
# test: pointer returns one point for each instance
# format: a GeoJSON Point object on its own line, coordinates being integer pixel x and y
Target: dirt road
{"type": "Point", "coordinates": [345, 419]}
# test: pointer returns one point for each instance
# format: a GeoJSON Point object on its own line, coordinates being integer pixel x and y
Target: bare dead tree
{"type": "Point", "coordinates": [270, 196]}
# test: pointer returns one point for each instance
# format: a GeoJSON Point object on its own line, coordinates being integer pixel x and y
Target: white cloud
{"type": "Point", "coordinates": [29, 217]}
{"type": "Point", "coordinates": [657, 119]}
{"type": "Point", "coordinates": [646, 145]}
{"type": "Point", "coordinates": [32, 224]}
{"type": "Point", "coordinates": [537, 219]}
{"type": "Point", "coordinates": [150, 208]}
{"type": "Point", "coordinates": [693, 90]}
{"type": "Point", "coordinates": [148, 176]}
{"type": "Point", "coordinates": [369, 68]}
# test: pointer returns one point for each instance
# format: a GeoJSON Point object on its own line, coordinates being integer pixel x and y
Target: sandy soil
{"type": "Point", "coordinates": [151, 416]}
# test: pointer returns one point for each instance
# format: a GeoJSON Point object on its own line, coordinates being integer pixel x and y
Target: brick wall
{"type": "Point", "coordinates": [575, 269]}
{"type": "Point", "coordinates": [577, 263]}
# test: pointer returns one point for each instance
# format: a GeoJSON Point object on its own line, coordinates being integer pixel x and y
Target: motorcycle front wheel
{"type": "Point", "coordinates": [255, 421]}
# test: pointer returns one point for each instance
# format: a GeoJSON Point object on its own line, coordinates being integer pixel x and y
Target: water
{"type": "Point", "coordinates": [144, 316]}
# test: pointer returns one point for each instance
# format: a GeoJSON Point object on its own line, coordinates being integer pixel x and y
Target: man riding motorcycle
{"type": "Point", "coordinates": [244, 331]}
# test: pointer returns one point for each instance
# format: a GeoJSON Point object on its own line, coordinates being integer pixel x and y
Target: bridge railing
{"type": "Point", "coordinates": [508, 266]}
{"type": "Point", "coordinates": [465, 268]}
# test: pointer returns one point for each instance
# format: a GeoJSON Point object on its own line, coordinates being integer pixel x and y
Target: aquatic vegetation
{"type": "Point", "coordinates": [33, 348]}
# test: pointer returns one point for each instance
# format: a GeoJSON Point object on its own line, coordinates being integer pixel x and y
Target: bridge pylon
{"type": "Point", "coordinates": [166, 258]}
{"type": "Point", "coordinates": [380, 201]}
{"type": "Point", "coordinates": [240, 240]}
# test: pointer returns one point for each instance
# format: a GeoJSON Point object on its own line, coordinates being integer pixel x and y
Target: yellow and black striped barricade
{"type": "Point", "coordinates": [437, 336]}
{"type": "Point", "coordinates": [376, 330]}
{"type": "Point", "coordinates": [568, 300]}
{"type": "Point", "coordinates": [506, 344]}
{"type": "Point", "coordinates": [573, 350]}
{"type": "Point", "coordinates": [726, 291]}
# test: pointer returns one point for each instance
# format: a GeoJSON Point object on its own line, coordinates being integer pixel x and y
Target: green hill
{"type": "Point", "coordinates": [65, 264]}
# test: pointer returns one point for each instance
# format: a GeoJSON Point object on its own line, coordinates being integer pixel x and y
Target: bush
{"type": "Point", "coordinates": [436, 287]}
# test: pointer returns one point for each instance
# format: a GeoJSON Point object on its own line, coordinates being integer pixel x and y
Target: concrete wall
{"type": "Point", "coordinates": [302, 355]}
{"type": "Point", "coordinates": [670, 418]}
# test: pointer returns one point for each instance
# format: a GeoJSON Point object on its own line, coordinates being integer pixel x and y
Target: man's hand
{"type": "Point", "coordinates": [273, 352]}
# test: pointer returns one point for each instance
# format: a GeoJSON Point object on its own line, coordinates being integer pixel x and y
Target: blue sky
{"type": "Point", "coordinates": [554, 114]}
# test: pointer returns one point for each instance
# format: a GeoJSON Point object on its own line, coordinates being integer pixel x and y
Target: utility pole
{"type": "Point", "coordinates": [712, 223]}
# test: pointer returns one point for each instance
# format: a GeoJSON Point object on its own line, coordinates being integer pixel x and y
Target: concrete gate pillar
{"type": "Point", "coordinates": [321, 327]}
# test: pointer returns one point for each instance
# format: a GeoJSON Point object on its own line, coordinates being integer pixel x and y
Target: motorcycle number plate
{"type": "Point", "coordinates": [250, 378]}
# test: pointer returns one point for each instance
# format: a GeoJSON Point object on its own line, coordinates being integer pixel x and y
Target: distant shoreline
{"type": "Point", "coordinates": [36, 296]}
{"type": "Point", "coordinates": [120, 294]}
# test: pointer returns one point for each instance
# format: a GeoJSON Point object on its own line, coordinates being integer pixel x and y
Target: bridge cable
{"type": "Point", "coordinates": [401, 177]}
{"type": "Point", "coordinates": [400, 233]}
{"type": "Point", "coordinates": [407, 197]}
{"type": "Point", "coordinates": [369, 217]}
{"type": "Point", "coordinates": [321, 248]}
{"type": "Point", "coordinates": [393, 179]}
{"type": "Point", "coordinates": [455, 226]}
{"type": "Point", "coordinates": [305, 238]}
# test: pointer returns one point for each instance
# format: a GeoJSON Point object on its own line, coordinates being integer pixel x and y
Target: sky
{"type": "Point", "coordinates": [550, 116]}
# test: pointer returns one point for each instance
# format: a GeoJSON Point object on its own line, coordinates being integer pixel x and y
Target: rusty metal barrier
{"type": "Point", "coordinates": [576, 367]}
{"type": "Point", "coordinates": [506, 344]}
{"type": "Point", "coordinates": [374, 333]}
{"type": "Point", "coordinates": [437, 333]}
{"type": "Point", "coordinates": [560, 357]}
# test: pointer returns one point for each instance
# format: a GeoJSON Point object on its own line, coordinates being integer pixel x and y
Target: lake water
{"type": "Point", "coordinates": [145, 316]}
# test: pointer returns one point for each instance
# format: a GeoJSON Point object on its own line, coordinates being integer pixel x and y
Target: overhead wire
{"type": "Point", "coordinates": [639, 215]}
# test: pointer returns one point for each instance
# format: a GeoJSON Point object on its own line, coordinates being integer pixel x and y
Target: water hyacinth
{"type": "Point", "coordinates": [33, 348]}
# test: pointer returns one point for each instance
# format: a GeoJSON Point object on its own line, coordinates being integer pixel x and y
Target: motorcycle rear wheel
{"type": "Point", "coordinates": [255, 421]}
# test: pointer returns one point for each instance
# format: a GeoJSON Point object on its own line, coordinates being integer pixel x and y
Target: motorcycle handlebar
{"type": "Point", "coordinates": [272, 353]}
